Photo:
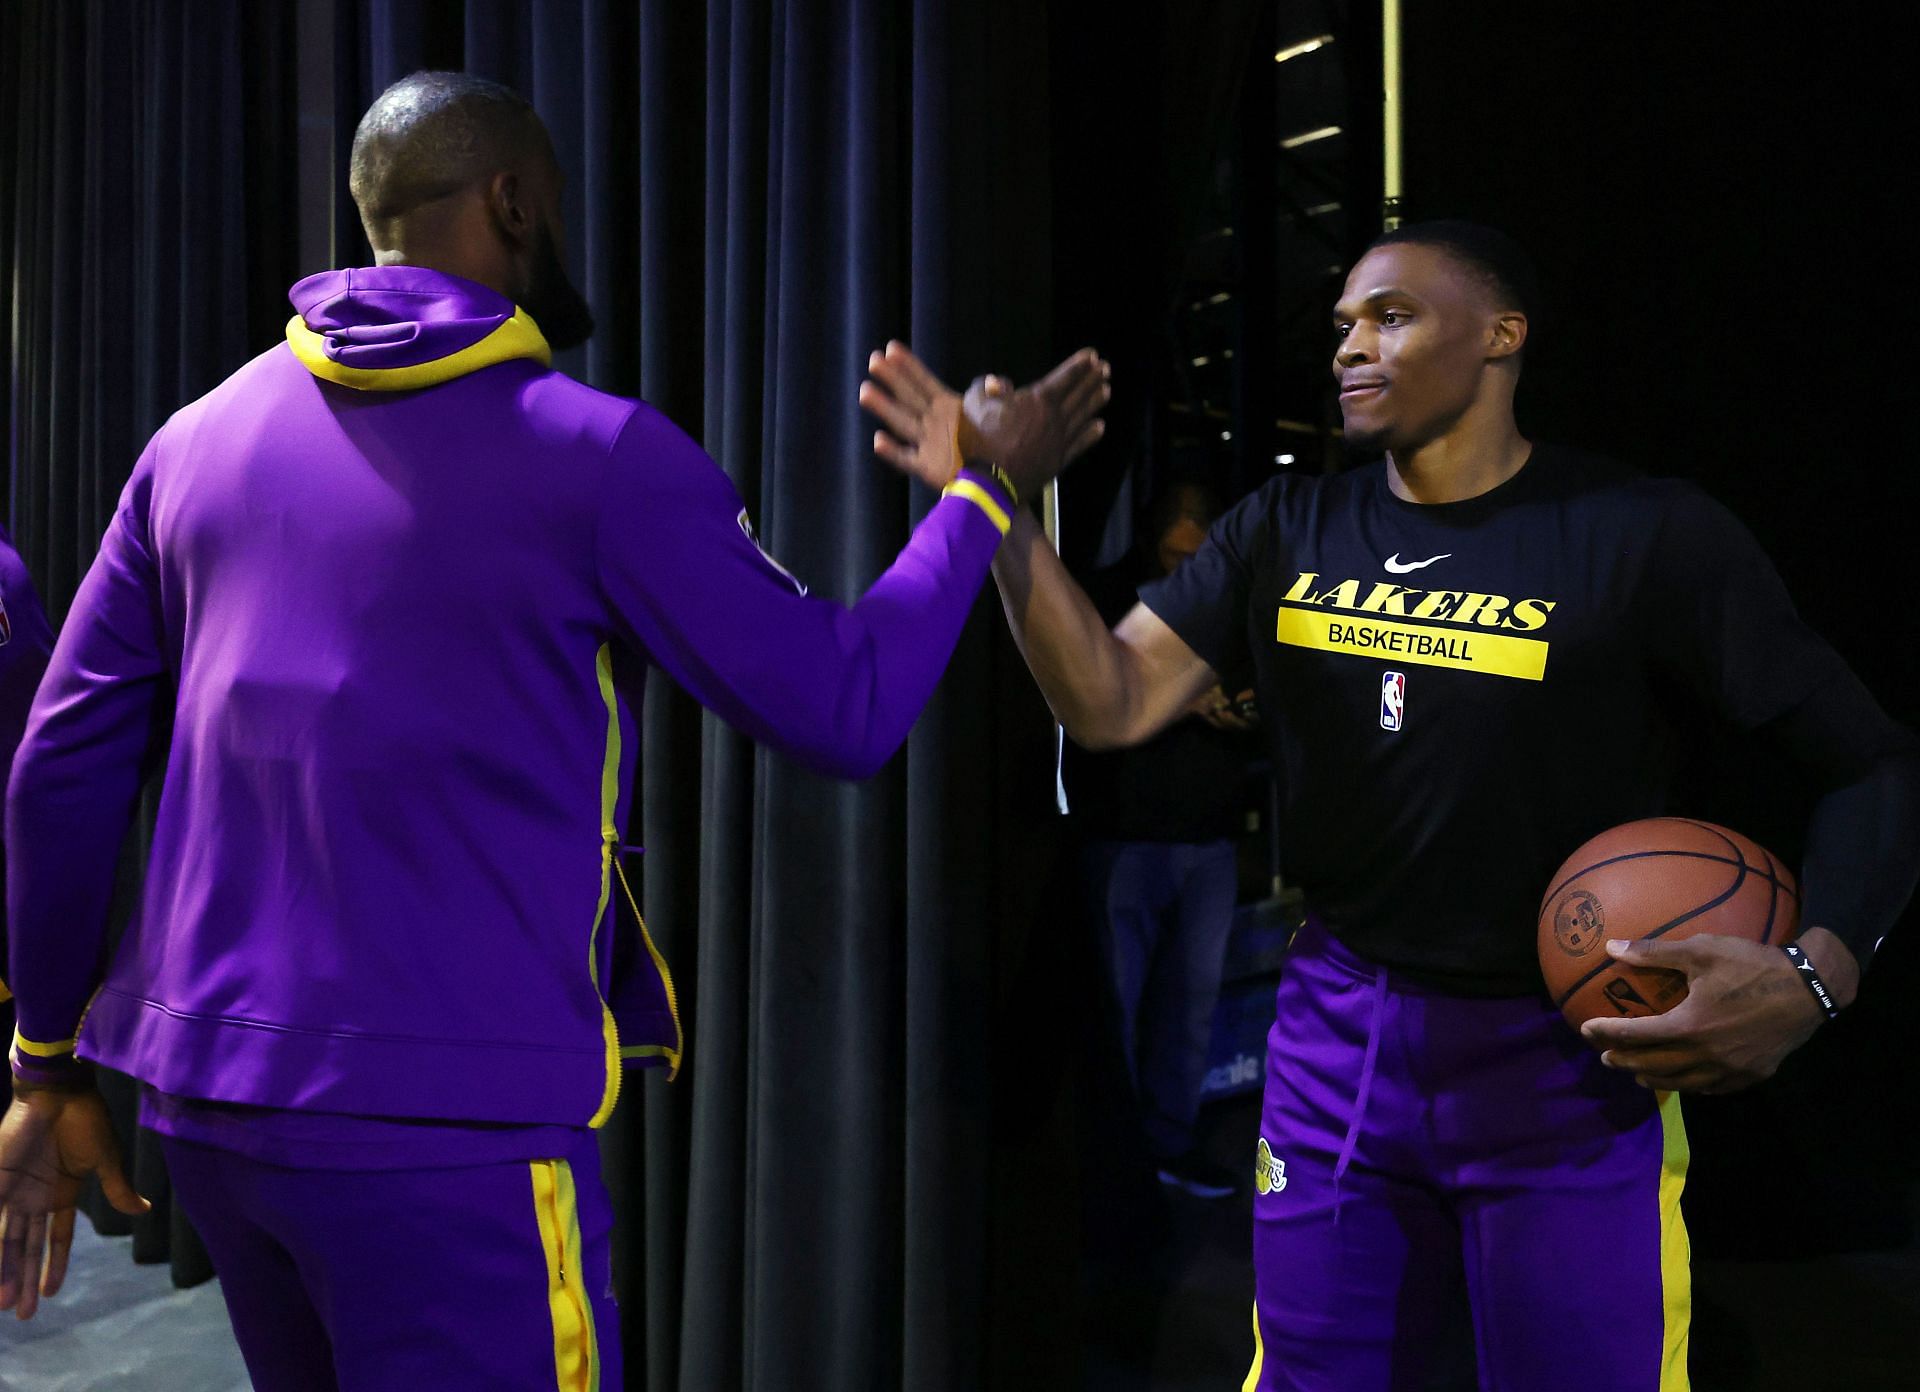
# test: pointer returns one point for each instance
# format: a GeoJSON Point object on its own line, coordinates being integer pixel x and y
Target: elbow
{"type": "Point", "coordinates": [1098, 733]}
{"type": "Point", "coordinates": [1091, 737]}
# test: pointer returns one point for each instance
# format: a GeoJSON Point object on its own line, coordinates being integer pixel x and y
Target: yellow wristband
{"type": "Point", "coordinates": [27, 1046]}
{"type": "Point", "coordinates": [966, 488]}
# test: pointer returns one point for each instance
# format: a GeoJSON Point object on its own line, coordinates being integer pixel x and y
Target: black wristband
{"type": "Point", "coordinates": [79, 1078]}
{"type": "Point", "coordinates": [1804, 965]}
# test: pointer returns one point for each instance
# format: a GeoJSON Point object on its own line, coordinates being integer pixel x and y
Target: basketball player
{"type": "Point", "coordinates": [1466, 656]}
{"type": "Point", "coordinates": [388, 584]}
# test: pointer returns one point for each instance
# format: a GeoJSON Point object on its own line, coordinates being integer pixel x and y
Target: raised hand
{"type": "Point", "coordinates": [1034, 432]}
{"type": "Point", "coordinates": [920, 412]}
{"type": "Point", "coordinates": [1031, 432]}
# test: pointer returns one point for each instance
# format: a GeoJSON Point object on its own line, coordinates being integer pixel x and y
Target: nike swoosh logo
{"type": "Point", "coordinates": [1395, 567]}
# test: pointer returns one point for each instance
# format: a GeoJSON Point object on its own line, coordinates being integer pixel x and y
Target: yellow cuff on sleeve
{"type": "Point", "coordinates": [980, 498]}
{"type": "Point", "coordinates": [27, 1046]}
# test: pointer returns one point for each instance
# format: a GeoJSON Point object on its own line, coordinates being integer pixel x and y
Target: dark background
{"type": "Point", "coordinates": [890, 1161]}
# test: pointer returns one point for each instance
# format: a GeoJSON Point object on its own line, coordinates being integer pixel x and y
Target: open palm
{"type": "Point", "coordinates": [1031, 432]}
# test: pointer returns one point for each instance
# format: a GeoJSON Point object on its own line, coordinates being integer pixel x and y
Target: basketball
{"type": "Point", "coordinates": [1666, 877]}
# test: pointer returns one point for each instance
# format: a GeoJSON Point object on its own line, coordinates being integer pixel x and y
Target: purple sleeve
{"type": "Point", "coordinates": [25, 641]}
{"type": "Point", "coordinates": [837, 688]}
{"type": "Point", "coordinates": [74, 783]}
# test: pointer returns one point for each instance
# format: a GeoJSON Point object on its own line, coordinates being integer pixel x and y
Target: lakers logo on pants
{"type": "Point", "coordinates": [1425, 1133]}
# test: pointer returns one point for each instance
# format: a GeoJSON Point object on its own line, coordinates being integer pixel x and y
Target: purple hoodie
{"type": "Point", "coordinates": [393, 582]}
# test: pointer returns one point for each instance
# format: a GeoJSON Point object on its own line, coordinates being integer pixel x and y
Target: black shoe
{"type": "Point", "coordinates": [1197, 1176]}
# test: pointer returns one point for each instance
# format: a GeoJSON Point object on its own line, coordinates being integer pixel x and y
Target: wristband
{"type": "Point", "coordinates": [79, 1078]}
{"type": "Point", "coordinates": [51, 1066]}
{"type": "Point", "coordinates": [1804, 965]}
{"type": "Point", "coordinates": [981, 497]}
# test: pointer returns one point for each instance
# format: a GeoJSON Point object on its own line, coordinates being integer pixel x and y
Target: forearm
{"type": "Point", "coordinates": [889, 652]}
{"type": "Point", "coordinates": [835, 687]}
{"type": "Point", "coordinates": [67, 813]}
{"type": "Point", "coordinates": [1863, 855]}
{"type": "Point", "coordinates": [1081, 668]}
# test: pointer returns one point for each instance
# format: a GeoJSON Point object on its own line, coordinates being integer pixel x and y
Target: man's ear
{"type": "Point", "coordinates": [508, 207]}
{"type": "Point", "coordinates": [1507, 335]}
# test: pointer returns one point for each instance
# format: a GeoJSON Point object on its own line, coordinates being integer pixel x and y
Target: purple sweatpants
{"type": "Point", "coordinates": [430, 1280]}
{"type": "Point", "coordinates": [1409, 1138]}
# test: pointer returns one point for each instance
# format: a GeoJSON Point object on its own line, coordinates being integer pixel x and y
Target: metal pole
{"type": "Point", "coordinates": [1050, 524]}
{"type": "Point", "coordinates": [1390, 82]}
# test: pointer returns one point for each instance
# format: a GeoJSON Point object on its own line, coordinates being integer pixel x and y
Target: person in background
{"type": "Point", "coordinates": [1156, 824]}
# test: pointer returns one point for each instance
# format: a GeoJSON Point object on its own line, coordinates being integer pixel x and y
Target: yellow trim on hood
{"type": "Point", "coordinates": [519, 337]}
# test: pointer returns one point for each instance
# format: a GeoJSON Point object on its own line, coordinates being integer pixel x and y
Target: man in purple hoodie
{"type": "Point", "coordinates": [391, 580]}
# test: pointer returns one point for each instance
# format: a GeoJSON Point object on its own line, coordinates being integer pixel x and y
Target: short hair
{"type": "Point", "coordinates": [434, 133]}
{"type": "Point", "coordinates": [1493, 256]}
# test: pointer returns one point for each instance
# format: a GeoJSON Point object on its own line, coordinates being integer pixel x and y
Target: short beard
{"type": "Point", "coordinates": [562, 312]}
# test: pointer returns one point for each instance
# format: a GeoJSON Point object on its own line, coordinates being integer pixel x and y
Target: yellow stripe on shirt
{"type": "Point", "coordinates": [609, 843]}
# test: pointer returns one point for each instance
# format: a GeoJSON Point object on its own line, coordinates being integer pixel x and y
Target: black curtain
{"type": "Point", "coordinates": [858, 1180]}
{"type": "Point", "coordinates": [144, 230]}
{"type": "Point", "coordinates": [144, 225]}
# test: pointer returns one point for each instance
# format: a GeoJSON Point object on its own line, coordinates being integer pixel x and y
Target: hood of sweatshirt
{"type": "Point", "coordinates": [399, 328]}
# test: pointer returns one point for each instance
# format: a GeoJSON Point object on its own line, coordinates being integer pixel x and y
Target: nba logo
{"type": "Point", "coordinates": [6, 625]}
{"type": "Point", "coordinates": [1393, 699]}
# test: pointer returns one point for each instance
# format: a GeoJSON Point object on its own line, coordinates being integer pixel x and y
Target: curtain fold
{"type": "Point", "coordinates": [145, 194]}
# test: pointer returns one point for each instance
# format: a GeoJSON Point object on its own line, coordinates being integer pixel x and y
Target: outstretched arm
{"type": "Point", "coordinates": [836, 687]}
{"type": "Point", "coordinates": [1107, 688]}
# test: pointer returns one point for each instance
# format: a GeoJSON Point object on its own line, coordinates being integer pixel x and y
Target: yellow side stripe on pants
{"type": "Point", "coordinates": [1676, 1252]}
{"type": "Point", "coordinates": [1252, 1384]}
{"type": "Point", "coordinates": [576, 1352]}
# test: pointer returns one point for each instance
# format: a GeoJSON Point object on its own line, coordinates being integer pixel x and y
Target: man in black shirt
{"type": "Point", "coordinates": [1156, 823]}
{"type": "Point", "coordinates": [1466, 657]}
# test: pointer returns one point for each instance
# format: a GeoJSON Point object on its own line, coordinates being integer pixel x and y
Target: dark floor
{"type": "Point", "coordinates": [1171, 1311]}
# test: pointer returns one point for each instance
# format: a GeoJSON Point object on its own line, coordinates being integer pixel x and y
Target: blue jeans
{"type": "Point", "coordinates": [1164, 910]}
